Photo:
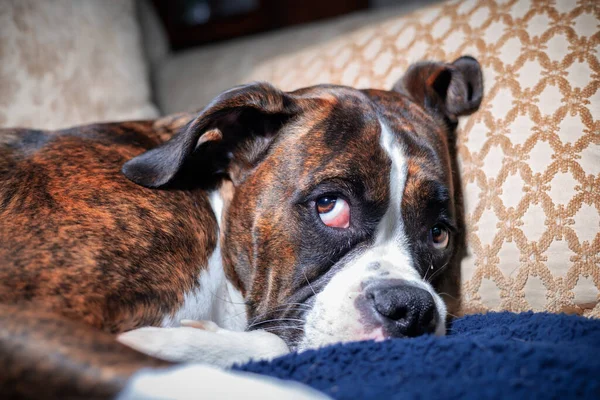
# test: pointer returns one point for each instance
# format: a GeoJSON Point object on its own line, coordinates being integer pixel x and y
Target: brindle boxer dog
{"type": "Point", "coordinates": [323, 215]}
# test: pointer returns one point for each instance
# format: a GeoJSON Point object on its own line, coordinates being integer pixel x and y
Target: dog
{"type": "Point", "coordinates": [268, 222]}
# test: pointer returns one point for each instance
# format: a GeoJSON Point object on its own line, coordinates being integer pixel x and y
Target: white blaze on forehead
{"type": "Point", "coordinates": [334, 317]}
{"type": "Point", "coordinates": [391, 242]}
{"type": "Point", "coordinates": [391, 226]}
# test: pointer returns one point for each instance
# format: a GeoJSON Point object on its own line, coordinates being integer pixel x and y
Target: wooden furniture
{"type": "Point", "coordinates": [192, 22]}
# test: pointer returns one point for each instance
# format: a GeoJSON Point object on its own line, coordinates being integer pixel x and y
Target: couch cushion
{"type": "Point", "coordinates": [68, 62]}
{"type": "Point", "coordinates": [530, 156]}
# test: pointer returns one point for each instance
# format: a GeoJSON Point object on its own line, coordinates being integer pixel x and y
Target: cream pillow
{"type": "Point", "coordinates": [69, 62]}
{"type": "Point", "coordinates": [530, 156]}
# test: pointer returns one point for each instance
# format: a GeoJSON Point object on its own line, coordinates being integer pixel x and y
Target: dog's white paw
{"type": "Point", "coordinates": [204, 343]}
{"type": "Point", "coordinates": [204, 382]}
{"type": "Point", "coordinates": [205, 325]}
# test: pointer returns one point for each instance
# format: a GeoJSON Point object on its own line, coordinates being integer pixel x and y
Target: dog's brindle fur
{"type": "Point", "coordinates": [78, 239]}
{"type": "Point", "coordinates": [86, 253]}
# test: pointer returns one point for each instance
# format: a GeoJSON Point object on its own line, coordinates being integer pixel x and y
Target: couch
{"type": "Point", "coordinates": [530, 157]}
{"type": "Point", "coordinates": [529, 161]}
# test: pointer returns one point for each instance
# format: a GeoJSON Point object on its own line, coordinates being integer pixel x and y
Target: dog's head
{"type": "Point", "coordinates": [346, 220]}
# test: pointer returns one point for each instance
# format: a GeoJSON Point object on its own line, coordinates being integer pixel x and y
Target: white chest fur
{"type": "Point", "coordinates": [215, 298]}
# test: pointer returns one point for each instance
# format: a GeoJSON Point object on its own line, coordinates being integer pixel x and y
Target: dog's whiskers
{"type": "Point", "coordinates": [428, 269]}
{"type": "Point", "coordinates": [287, 307]}
{"type": "Point", "coordinates": [449, 295]}
{"type": "Point", "coordinates": [279, 328]}
{"type": "Point", "coordinates": [296, 307]}
{"type": "Point", "coordinates": [214, 294]}
{"type": "Point", "coordinates": [275, 320]}
{"type": "Point", "coordinates": [439, 271]}
{"type": "Point", "coordinates": [307, 281]}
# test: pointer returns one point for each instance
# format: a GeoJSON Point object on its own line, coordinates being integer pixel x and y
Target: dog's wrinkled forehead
{"type": "Point", "coordinates": [336, 137]}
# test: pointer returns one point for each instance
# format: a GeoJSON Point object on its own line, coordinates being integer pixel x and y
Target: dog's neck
{"type": "Point", "coordinates": [214, 297]}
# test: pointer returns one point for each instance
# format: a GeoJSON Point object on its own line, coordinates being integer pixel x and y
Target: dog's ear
{"type": "Point", "coordinates": [449, 89]}
{"type": "Point", "coordinates": [233, 120]}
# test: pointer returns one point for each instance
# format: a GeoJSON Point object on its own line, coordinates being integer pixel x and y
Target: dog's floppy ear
{"type": "Point", "coordinates": [231, 120]}
{"type": "Point", "coordinates": [449, 89]}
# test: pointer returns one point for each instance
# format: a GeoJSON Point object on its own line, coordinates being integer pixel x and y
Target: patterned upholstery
{"type": "Point", "coordinates": [530, 156]}
{"type": "Point", "coordinates": [70, 62]}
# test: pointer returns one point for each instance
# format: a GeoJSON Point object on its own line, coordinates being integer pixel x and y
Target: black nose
{"type": "Point", "coordinates": [404, 310]}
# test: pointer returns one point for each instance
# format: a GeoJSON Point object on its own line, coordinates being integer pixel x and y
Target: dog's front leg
{"type": "Point", "coordinates": [204, 342]}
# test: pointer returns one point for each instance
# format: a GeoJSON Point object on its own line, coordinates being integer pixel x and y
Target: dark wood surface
{"type": "Point", "coordinates": [265, 16]}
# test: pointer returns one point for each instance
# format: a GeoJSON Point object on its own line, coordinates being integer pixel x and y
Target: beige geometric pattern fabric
{"type": "Point", "coordinates": [70, 62]}
{"type": "Point", "coordinates": [530, 157]}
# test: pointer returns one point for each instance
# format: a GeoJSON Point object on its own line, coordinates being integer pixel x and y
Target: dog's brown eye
{"type": "Point", "coordinates": [326, 204]}
{"type": "Point", "coordinates": [333, 211]}
{"type": "Point", "coordinates": [439, 237]}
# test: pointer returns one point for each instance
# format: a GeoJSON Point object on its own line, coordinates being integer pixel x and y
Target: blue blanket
{"type": "Point", "coordinates": [492, 356]}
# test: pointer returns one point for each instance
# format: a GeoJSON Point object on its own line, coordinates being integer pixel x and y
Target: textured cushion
{"type": "Point", "coordinates": [68, 62]}
{"type": "Point", "coordinates": [530, 156]}
{"type": "Point", "coordinates": [497, 356]}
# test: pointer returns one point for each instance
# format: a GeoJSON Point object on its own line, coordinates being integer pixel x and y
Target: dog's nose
{"type": "Point", "coordinates": [404, 310]}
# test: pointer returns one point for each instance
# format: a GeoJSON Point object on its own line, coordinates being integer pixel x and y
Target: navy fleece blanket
{"type": "Point", "coordinates": [491, 356]}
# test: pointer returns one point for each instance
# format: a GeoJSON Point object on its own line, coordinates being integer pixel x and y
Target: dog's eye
{"type": "Point", "coordinates": [439, 236]}
{"type": "Point", "coordinates": [333, 211]}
